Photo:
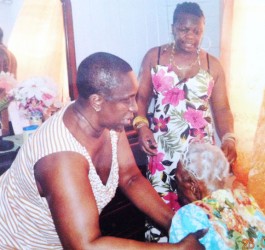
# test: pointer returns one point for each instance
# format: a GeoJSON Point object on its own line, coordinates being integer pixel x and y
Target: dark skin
{"type": "Point", "coordinates": [62, 178]}
{"type": "Point", "coordinates": [188, 32]}
{"type": "Point", "coordinates": [189, 188]}
{"type": "Point", "coordinates": [8, 62]}
{"type": "Point", "coordinates": [5, 66]}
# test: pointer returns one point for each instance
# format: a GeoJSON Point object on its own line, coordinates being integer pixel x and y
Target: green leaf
{"type": "Point", "coordinates": [4, 102]}
{"type": "Point", "coordinates": [252, 232]}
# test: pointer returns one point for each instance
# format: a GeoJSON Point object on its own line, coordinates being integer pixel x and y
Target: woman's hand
{"type": "Point", "coordinates": [229, 149]}
{"type": "Point", "coordinates": [191, 241]}
{"type": "Point", "coordinates": [147, 141]}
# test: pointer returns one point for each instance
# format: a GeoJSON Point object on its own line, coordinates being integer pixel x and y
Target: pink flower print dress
{"type": "Point", "coordinates": [181, 113]}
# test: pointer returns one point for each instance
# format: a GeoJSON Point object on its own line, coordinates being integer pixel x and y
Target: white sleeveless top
{"type": "Point", "coordinates": [25, 218]}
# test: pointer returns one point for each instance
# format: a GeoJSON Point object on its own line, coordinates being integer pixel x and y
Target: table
{"type": "Point", "coordinates": [7, 157]}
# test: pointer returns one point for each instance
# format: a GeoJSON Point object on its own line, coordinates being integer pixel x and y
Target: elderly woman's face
{"type": "Point", "coordinates": [187, 186]}
{"type": "Point", "coordinates": [188, 32]}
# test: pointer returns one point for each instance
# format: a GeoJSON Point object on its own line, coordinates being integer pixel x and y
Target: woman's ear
{"type": "Point", "coordinates": [196, 189]}
{"type": "Point", "coordinates": [192, 186]}
{"type": "Point", "coordinates": [96, 101]}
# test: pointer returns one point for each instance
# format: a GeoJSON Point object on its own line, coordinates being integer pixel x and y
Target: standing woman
{"type": "Point", "coordinates": [186, 84]}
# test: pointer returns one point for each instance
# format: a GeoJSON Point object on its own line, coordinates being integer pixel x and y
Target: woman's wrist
{"type": "Point", "coordinates": [139, 122]}
{"type": "Point", "coordinates": [229, 137]}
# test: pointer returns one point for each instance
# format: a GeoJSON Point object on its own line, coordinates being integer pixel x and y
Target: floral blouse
{"type": "Point", "coordinates": [234, 219]}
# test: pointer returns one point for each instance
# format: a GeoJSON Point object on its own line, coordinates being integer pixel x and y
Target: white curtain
{"type": "Point", "coordinates": [242, 55]}
{"type": "Point", "coordinates": [38, 42]}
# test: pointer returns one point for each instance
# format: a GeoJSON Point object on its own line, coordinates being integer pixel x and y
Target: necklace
{"type": "Point", "coordinates": [186, 67]}
{"type": "Point", "coordinates": [84, 118]}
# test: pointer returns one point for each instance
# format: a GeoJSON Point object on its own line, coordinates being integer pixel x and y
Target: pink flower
{"type": "Point", "coordinates": [161, 124]}
{"type": "Point", "coordinates": [7, 81]}
{"type": "Point", "coordinates": [172, 201]}
{"type": "Point", "coordinates": [161, 82]}
{"type": "Point", "coordinates": [155, 163]}
{"type": "Point", "coordinates": [198, 133]}
{"type": "Point", "coordinates": [35, 95]}
{"type": "Point", "coordinates": [173, 96]}
{"type": "Point", "coordinates": [195, 118]}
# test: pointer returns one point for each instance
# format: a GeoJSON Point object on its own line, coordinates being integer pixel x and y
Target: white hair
{"type": "Point", "coordinates": [207, 163]}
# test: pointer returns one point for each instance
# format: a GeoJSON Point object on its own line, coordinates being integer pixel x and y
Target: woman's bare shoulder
{"type": "Point", "coordinates": [211, 62]}
{"type": "Point", "coordinates": [154, 50]}
{"type": "Point", "coordinates": [152, 54]}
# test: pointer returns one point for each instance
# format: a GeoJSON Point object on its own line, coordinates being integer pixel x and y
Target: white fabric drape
{"type": "Point", "coordinates": [242, 55]}
{"type": "Point", "coordinates": [38, 43]}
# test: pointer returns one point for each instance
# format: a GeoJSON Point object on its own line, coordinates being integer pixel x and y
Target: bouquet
{"type": "Point", "coordinates": [7, 82]}
{"type": "Point", "coordinates": [36, 97]}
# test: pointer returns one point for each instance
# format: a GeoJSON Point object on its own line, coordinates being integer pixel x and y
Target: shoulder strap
{"type": "Point", "coordinates": [158, 55]}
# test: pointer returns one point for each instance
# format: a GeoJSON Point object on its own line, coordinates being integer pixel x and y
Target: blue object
{"type": "Point", "coordinates": [31, 127]}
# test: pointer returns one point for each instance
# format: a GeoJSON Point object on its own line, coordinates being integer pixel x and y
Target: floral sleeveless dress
{"type": "Point", "coordinates": [181, 114]}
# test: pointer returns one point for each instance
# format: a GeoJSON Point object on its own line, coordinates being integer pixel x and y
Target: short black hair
{"type": "Point", "coordinates": [99, 74]}
{"type": "Point", "coordinates": [187, 8]}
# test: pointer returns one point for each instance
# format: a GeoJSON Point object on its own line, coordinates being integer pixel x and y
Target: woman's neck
{"type": "Point", "coordinates": [85, 122]}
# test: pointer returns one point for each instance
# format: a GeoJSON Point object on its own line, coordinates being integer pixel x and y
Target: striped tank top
{"type": "Point", "coordinates": [25, 218]}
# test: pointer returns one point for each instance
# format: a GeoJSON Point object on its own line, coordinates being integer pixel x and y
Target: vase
{"type": "Point", "coordinates": [35, 119]}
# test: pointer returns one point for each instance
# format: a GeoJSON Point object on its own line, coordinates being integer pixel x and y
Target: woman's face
{"type": "Point", "coordinates": [119, 110]}
{"type": "Point", "coordinates": [188, 31]}
{"type": "Point", "coordinates": [188, 187]}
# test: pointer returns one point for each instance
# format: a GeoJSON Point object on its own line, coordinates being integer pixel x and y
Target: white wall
{"type": "Point", "coordinates": [127, 28]}
{"type": "Point", "coordinates": [8, 14]}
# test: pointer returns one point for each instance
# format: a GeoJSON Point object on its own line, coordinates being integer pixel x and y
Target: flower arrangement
{"type": "Point", "coordinates": [7, 82]}
{"type": "Point", "coordinates": [36, 97]}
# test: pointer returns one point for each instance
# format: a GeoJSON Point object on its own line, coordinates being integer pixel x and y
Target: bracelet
{"type": "Point", "coordinates": [140, 121]}
{"type": "Point", "coordinates": [230, 137]}
{"type": "Point", "coordinates": [140, 125]}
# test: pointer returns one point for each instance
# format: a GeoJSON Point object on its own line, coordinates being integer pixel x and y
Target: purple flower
{"type": "Point", "coordinates": [155, 163]}
{"type": "Point", "coordinates": [160, 124]}
{"type": "Point", "coordinates": [172, 201]}
{"type": "Point", "coordinates": [198, 133]}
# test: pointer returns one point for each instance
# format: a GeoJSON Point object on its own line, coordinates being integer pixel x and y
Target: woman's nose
{"type": "Point", "coordinates": [133, 106]}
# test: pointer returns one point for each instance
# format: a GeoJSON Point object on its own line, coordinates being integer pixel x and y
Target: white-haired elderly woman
{"type": "Point", "coordinates": [208, 201]}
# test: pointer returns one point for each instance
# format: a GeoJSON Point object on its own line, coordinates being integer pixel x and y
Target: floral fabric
{"type": "Point", "coordinates": [181, 113]}
{"type": "Point", "coordinates": [234, 219]}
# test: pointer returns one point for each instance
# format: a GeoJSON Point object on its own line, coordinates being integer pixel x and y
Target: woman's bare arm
{"type": "Point", "coordinates": [223, 117]}
{"type": "Point", "coordinates": [62, 178]}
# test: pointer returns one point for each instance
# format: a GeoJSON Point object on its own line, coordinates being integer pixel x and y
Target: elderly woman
{"type": "Point", "coordinates": [233, 217]}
